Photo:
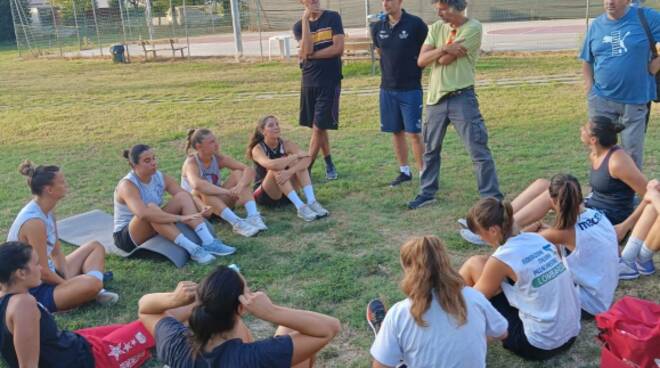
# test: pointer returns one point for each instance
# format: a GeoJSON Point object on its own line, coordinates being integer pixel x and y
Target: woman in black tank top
{"type": "Point", "coordinates": [281, 169]}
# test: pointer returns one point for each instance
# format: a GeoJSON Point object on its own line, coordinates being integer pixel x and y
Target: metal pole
{"type": "Point", "coordinates": [128, 20]}
{"type": "Point", "coordinates": [123, 29]}
{"type": "Point", "coordinates": [213, 16]}
{"type": "Point", "coordinates": [261, 46]}
{"type": "Point", "coordinates": [23, 24]}
{"type": "Point", "coordinates": [366, 16]}
{"type": "Point", "coordinates": [13, 19]}
{"type": "Point", "coordinates": [586, 18]}
{"type": "Point", "coordinates": [147, 15]}
{"type": "Point", "coordinates": [236, 23]}
{"type": "Point", "coordinates": [185, 18]}
{"type": "Point", "coordinates": [96, 25]}
{"type": "Point", "coordinates": [75, 21]}
{"type": "Point", "coordinates": [173, 18]}
{"type": "Point", "coordinates": [57, 31]}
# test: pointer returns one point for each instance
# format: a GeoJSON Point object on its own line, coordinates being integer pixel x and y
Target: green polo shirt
{"type": "Point", "coordinates": [460, 73]}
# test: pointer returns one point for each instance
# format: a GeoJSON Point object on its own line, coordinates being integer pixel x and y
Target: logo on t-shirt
{"type": "Point", "coordinates": [322, 35]}
{"type": "Point", "coordinates": [617, 42]}
{"type": "Point", "coordinates": [383, 34]}
{"type": "Point", "coordinates": [403, 35]}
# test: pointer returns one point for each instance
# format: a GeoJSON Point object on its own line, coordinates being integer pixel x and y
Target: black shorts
{"type": "Point", "coordinates": [263, 199]}
{"type": "Point", "coordinates": [123, 240]}
{"type": "Point", "coordinates": [319, 106]}
{"type": "Point", "coordinates": [516, 341]}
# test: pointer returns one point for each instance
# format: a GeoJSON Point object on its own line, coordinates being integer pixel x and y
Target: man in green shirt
{"type": "Point", "coordinates": [451, 48]}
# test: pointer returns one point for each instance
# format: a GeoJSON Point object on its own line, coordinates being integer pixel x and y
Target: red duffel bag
{"type": "Point", "coordinates": [630, 332]}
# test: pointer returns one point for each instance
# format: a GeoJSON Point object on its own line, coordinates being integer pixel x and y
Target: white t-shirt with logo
{"type": "Point", "coordinates": [544, 293]}
{"type": "Point", "coordinates": [594, 262]}
{"type": "Point", "coordinates": [441, 343]}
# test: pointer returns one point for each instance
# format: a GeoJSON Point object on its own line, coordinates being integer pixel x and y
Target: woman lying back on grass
{"type": "Point", "coordinates": [215, 334]}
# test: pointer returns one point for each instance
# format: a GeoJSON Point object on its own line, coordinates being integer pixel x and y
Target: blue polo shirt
{"type": "Point", "coordinates": [620, 53]}
{"type": "Point", "coordinates": [399, 48]}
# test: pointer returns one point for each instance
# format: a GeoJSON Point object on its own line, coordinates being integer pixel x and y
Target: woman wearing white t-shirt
{"type": "Point", "coordinates": [525, 281]}
{"type": "Point", "coordinates": [442, 323]}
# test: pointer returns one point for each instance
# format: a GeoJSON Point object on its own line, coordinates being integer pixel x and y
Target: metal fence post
{"type": "Point", "coordinates": [147, 16]}
{"type": "Point", "coordinates": [96, 24]}
{"type": "Point", "coordinates": [23, 24]}
{"type": "Point", "coordinates": [261, 46]}
{"type": "Point", "coordinates": [13, 19]}
{"type": "Point", "coordinates": [57, 32]}
{"type": "Point", "coordinates": [185, 19]}
{"type": "Point", "coordinates": [123, 29]}
{"type": "Point", "coordinates": [75, 21]}
{"type": "Point", "coordinates": [236, 22]}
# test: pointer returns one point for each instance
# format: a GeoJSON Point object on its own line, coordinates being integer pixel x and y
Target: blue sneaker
{"type": "Point", "coordinates": [420, 201]}
{"type": "Point", "coordinates": [647, 268]}
{"type": "Point", "coordinates": [627, 271]}
{"type": "Point", "coordinates": [219, 248]}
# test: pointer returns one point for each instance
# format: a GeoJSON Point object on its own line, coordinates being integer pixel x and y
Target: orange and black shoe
{"type": "Point", "coordinates": [375, 314]}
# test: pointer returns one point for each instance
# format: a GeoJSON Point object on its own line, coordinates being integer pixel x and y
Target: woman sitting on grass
{"type": "Point", "coordinates": [637, 255]}
{"type": "Point", "coordinates": [525, 281]}
{"type": "Point", "coordinates": [29, 336]}
{"type": "Point", "coordinates": [440, 316]}
{"type": "Point", "coordinates": [138, 214]}
{"type": "Point", "coordinates": [200, 176]}
{"type": "Point", "coordinates": [216, 335]}
{"type": "Point", "coordinates": [281, 168]}
{"type": "Point", "coordinates": [68, 281]}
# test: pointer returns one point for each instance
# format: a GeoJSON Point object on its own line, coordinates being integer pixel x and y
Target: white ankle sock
{"type": "Point", "coordinates": [405, 169]}
{"type": "Point", "coordinates": [229, 216]}
{"type": "Point", "coordinates": [293, 197]}
{"type": "Point", "coordinates": [185, 243]}
{"type": "Point", "coordinates": [251, 208]}
{"type": "Point", "coordinates": [309, 193]}
{"type": "Point", "coordinates": [96, 274]}
{"type": "Point", "coordinates": [645, 254]}
{"type": "Point", "coordinates": [631, 250]}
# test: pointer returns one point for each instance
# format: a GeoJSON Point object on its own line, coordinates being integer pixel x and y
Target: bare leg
{"type": "Point", "coordinates": [653, 238]}
{"type": "Point", "coordinates": [532, 204]}
{"type": "Point", "coordinates": [141, 230]}
{"type": "Point", "coordinates": [89, 257]}
{"type": "Point", "coordinates": [302, 178]}
{"type": "Point", "coordinates": [472, 269]}
{"type": "Point", "coordinates": [281, 330]}
{"type": "Point", "coordinates": [324, 141]}
{"type": "Point", "coordinates": [418, 149]}
{"type": "Point", "coordinates": [182, 204]}
{"type": "Point", "coordinates": [216, 202]}
{"type": "Point", "coordinates": [624, 227]}
{"type": "Point", "coordinates": [76, 291]}
{"type": "Point", "coordinates": [314, 143]}
{"type": "Point", "coordinates": [646, 222]}
{"type": "Point", "coordinates": [400, 147]}
{"type": "Point", "coordinates": [245, 194]}
{"type": "Point", "coordinates": [273, 189]}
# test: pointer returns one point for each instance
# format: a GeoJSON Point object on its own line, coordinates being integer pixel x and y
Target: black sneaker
{"type": "Point", "coordinates": [331, 172]}
{"type": "Point", "coordinates": [402, 178]}
{"type": "Point", "coordinates": [420, 201]}
{"type": "Point", "coordinates": [375, 315]}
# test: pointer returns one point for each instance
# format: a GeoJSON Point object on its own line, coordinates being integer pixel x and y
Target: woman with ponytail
{"type": "Point", "coordinates": [29, 336]}
{"type": "Point", "coordinates": [200, 176]}
{"type": "Point", "coordinates": [281, 169]}
{"type": "Point", "coordinates": [216, 335]}
{"type": "Point", "coordinates": [525, 281]}
{"type": "Point", "coordinates": [430, 327]}
{"type": "Point", "coordinates": [68, 281]}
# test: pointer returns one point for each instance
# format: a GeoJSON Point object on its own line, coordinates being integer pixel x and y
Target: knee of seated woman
{"type": "Point", "coordinates": [96, 246]}
{"type": "Point", "coordinates": [91, 285]}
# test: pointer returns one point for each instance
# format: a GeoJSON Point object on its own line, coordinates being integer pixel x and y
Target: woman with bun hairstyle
{"type": "Point", "coordinates": [281, 169]}
{"type": "Point", "coordinates": [431, 327]}
{"type": "Point", "coordinates": [29, 336]}
{"type": "Point", "coordinates": [200, 176]}
{"type": "Point", "coordinates": [216, 336]}
{"type": "Point", "coordinates": [140, 212]}
{"type": "Point", "coordinates": [68, 281]}
{"type": "Point", "coordinates": [525, 281]}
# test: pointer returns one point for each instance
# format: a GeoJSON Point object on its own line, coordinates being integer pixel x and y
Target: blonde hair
{"type": "Point", "coordinates": [427, 269]}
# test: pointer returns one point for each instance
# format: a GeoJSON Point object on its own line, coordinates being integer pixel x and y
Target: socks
{"type": "Point", "coordinates": [96, 274]}
{"type": "Point", "coordinates": [309, 193]}
{"type": "Point", "coordinates": [251, 208]}
{"type": "Point", "coordinates": [227, 215]}
{"type": "Point", "coordinates": [186, 243]}
{"type": "Point", "coordinates": [405, 169]}
{"type": "Point", "coordinates": [328, 161]}
{"type": "Point", "coordinates": [631, 250]}
{"type": "Point", "coordinates": [645, 254]}
{"type": "Point", "coordinates": [293, 197]}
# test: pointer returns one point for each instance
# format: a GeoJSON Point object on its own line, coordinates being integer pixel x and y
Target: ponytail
{"type": "Point", "coordinates": [195, 137]}
{"type": "Point", "coordinates": [565, 190]}
{"type": "Point", "coordinates": [133, 155]}
{"type": "Point", "coordinates": [38, 177]}
{"type": "Point", "coordinates": [489, 212]}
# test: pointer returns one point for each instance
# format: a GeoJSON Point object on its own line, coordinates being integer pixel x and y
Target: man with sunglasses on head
{"type": "Point", "coordinates": [451, 49]}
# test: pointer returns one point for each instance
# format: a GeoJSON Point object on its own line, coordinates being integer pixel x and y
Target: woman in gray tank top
{"type": "Point", "coordinates": [140, 212]}
{"type": "Point", "coordinates": [200, 176]}
{"type": "Point", "coordinates": [68, 281]}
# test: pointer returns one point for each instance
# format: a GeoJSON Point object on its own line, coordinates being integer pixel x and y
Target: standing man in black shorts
{"type": "Point", "coordinates": [321, 38]}
{"type": "Point", "coordinates": [398, 37]}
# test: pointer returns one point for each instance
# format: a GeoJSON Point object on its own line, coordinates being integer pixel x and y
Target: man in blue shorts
{"type": "Point", "coordinates": [398, 37]}
{"type": "Point", "coordinates": [320, 34]}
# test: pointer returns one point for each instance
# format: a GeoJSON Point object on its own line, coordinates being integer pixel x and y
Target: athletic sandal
{"type": "Point", "coordinates": [375, 314]}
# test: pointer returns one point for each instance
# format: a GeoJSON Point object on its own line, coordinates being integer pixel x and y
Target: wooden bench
{"type": "Point", "coordinates": [152, 47]}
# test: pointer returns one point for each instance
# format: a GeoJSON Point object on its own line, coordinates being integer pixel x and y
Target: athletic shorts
{"type": "Point", "coordinates": [123, 240]}
{"type": "Point", "coordinates": [516, 341]}
{"type": "Point", "coordinates": [121, 345]}
{"type": "Point", "coordinates": [263, 199]}
{"type": "Point", "coordinates": [44, 294]}
{"type": "Point", "coordinates": [401, 111]}
{"type": "Point", "coordinates": [319, 106]}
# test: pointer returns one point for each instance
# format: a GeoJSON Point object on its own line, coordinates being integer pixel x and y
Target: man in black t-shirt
{"type": "Point", "coordinates": [321, 38]}
{"type": "Point", "coordinates": [398, 37]}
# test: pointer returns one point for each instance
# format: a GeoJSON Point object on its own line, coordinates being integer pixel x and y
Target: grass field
{"type": "Point", "coordinates": [80, 114]}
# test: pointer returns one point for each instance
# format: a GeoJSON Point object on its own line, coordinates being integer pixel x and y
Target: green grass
{"type": "Point", "coordinates": [80, 114]}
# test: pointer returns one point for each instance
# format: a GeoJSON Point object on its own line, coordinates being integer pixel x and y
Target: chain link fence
{"type": "Point", "coordinates": [88, 28]}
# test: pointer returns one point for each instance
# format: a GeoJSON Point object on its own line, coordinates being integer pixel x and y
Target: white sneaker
{"type": "Point", "coordinates": [201, 256]}
{"type": "Point", "coordinates": [242, 227]}
{"type": "Point", "coordinates": [320, 211]}
{"type": "Point", "coordinates": [627, 271]}
{"type": "Point", "coordinates": [107, 298]}
{"type": "Point", "coordinates": [462, 222]}
{"type": "Point", "coordinates": [258, 222]}
{"type": "Point", "coordinates": [306, 213]}
{"type": "Point", "coordinates": [471, 237]}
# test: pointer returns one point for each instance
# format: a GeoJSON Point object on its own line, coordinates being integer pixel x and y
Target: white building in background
{"type": "Point", "coordinates": [42, 7]}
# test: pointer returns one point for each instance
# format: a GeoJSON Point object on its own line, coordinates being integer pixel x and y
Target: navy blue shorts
{"type": "Point", "coordinates": [44, 294]}
{"type": "Point", "coordinates": [401, 110]}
